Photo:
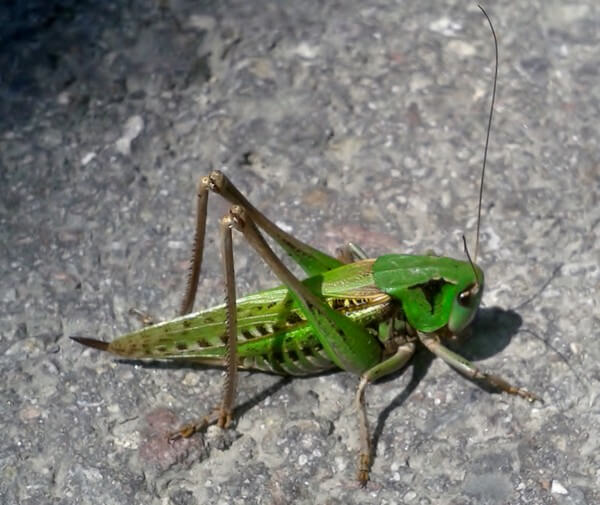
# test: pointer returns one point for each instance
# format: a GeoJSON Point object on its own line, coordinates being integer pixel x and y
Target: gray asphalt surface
{"type": "Point", "coordinates": [352, 120]}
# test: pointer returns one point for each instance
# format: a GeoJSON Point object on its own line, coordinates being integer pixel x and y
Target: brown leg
{"type": "Point", "coordinates": [196, 260]}
{"type": "Point", "coordinates": [311, 260]}
{"type": "Point", "coordinates": [231, 370]}
{"type": "Point", "coordinates": [386, 367]}
{"type": "Point", "coordinates": [224, 413]}
{"type": "Point", "coordinates": [464, 366]}
{"type": "Point", "coordinates": [143, 317]}
{"type": "Point", "coordinates": [349, 253]}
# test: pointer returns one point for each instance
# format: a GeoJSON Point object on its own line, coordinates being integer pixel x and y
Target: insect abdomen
{"type": "Point", "coordinates": [290, 352]}
{"type": "Point", "coordinates": [297, 350]}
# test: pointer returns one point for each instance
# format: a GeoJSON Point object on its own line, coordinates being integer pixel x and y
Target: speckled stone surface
{"type": "Point", "coordinates": [341, 120]}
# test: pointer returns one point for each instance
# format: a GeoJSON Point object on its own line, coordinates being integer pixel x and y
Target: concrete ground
{"type": "Point", "coordinates": [341, 120]}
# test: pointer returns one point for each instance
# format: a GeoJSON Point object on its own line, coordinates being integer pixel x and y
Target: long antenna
{"type": "Point", "coordinates": [487, 137]}
{"type": "Point", "coordinates": [472, 264]}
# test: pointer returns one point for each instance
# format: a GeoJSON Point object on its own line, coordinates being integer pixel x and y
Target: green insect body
{"type": "Point", "coordinates": [274, 336]}
{"type": "Point", "coordinates": [365, 316]}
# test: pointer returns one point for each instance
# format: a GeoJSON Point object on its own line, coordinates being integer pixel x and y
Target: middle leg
{"type": "Point", "coordinates": [386, 367]}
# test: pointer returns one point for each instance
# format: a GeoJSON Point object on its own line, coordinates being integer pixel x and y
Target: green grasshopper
{"type": "Point", "coordinates": [363, 315]}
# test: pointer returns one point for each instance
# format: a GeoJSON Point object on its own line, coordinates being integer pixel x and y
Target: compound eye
{"type": "Point", "coordinates": [464, 297]}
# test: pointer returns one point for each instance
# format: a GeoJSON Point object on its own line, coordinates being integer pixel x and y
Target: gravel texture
{"type": "Point", "coordinates": [342, 120]}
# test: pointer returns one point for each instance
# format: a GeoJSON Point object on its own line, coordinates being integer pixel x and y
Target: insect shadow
{"type": "Point", "coordinates": [490, 332]}
{"type": "Point", "coordinates": [179, 364]}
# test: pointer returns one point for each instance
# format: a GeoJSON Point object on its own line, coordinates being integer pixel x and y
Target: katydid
{"type": "Point", "coordinates": [362, 315]}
